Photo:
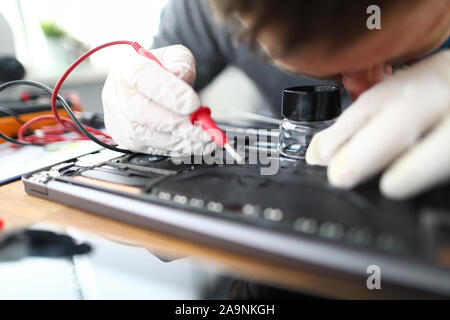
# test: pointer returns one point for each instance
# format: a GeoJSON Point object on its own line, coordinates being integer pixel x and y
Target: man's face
{"type": "Point", "coordinates": [369, 60]}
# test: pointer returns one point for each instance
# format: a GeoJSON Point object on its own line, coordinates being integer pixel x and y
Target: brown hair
{"type": "Point", "coordinates": [304, 21]}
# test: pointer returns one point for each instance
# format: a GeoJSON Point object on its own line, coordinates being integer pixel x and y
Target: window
{"type": "Point", "coordinates": [92, 22]}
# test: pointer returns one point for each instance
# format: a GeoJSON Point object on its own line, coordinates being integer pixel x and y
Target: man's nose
{"type": "Point", "coordinates": [359, 81]}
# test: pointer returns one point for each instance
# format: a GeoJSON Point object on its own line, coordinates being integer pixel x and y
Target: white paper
{"type": "Point", "coordinates": [16, 162]}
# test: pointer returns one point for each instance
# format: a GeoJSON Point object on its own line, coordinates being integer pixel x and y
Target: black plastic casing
{"type": "Point", "coordinates": [311, 103]}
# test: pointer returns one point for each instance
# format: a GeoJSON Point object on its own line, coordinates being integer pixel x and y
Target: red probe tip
{"type": "Point", "coordinates": [203, 117]}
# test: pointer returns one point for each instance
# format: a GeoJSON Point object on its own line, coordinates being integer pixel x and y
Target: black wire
{"type": "Point", "coordinates": [12, 114]}
{"type": "Point", "coordinates": [17, 117]}
{"type": "Point", "coordinates": [11, 140]}
{"type": "Point", "coordinates": [66, 107]}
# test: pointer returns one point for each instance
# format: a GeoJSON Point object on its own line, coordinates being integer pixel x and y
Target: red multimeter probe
{"type": "Point", "coordinates": [202, 116]}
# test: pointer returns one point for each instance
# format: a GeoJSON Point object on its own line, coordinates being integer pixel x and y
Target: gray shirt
{"type": "Point", "coordinates": [190, 23]}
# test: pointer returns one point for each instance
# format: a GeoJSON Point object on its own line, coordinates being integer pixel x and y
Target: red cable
{"type": "Point", "coordinates": [72, 67]}
{"type": "Point", "coordinates": [67, 123]}
{"type": "Point", "coordinates": [202, 115]}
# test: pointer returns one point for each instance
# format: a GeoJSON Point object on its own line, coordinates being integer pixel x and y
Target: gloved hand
{"type": "Point", "coordinates": [402, 123]}
{"type": "Point", "coordinates": [147, 107]}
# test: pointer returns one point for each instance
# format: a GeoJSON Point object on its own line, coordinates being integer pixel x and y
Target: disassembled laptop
{"type": "Point", "coordinates": [293, 217]}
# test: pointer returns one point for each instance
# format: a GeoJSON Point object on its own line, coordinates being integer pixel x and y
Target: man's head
{"type": "Point", "coordinates": [330, 38]}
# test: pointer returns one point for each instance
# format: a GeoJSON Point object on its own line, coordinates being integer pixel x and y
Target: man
{"type": "Point", "coordinates": [398, 123]}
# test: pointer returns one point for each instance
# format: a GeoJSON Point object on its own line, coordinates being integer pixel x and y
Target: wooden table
{"type": "Point", "coordinates": [20, 210]}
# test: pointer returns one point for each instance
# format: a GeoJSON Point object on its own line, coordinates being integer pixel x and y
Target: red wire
{"type": "Point", "coordinates": [72, 67]}
{"type": "Point", "coordinates": [67, 123]}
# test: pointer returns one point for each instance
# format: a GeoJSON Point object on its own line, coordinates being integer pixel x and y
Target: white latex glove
{"type": "Point", "coordinates": [147, 107]}
{"type": "Point", "coordinates": [402, 123]}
